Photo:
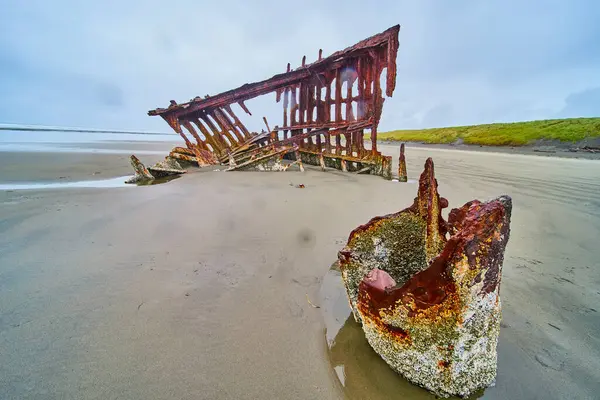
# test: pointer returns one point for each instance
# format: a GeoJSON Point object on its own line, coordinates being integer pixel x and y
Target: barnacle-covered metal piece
{"type": "Point", "coordinates": [427, 291]}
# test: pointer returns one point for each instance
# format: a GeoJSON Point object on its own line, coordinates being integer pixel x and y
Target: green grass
{"type": "Point", "coordinates": [511, 134]}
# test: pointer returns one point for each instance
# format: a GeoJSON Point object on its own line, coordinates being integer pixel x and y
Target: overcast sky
{"type": "Point", "coordinates": [103, 64]}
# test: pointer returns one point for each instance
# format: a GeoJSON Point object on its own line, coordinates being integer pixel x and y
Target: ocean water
{"type": "Point", "coordinates": [72, 141]}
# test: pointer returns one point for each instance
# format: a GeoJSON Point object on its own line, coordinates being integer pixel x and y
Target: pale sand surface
{"type": "Point", "coordinates": [197, 288]}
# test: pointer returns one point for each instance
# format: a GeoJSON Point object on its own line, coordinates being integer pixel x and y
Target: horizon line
{"type": "Point", "coordinates": [46, 128]}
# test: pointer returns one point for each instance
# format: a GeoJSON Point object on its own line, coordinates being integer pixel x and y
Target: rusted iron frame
{"type": "Point", "coordinates": [223, 118]}
{"type": "Point", "coordinates": [273, 146]}
{"type": "Point", "coordinates": [261, 159]}
{"type": "Point", "coordinates": [251, 145]}
{"type": "Point", "coordinates": [207, 117]}
{"type": "Point", "coordinates": [388, 38]}
{"type": "Point", "coordinates": [345, 157]}
{"type": "Point", "coordinates": [215, 127]}
{"type": "Point", "coordinates": [305, 85]}
{"type": "Point", "coordinates": [210, 139]}
{"type": "Point", "coordinates": [187, 125]}
{"type": "Point", "coordinates": [297, 140]}
{"type": "Point", "coordinates": [237, 122]}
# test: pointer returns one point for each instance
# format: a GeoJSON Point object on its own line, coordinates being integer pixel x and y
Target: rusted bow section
{"type": "Point", "coordinates": [427, 291]}
{"type": "Point", "coordinates": [328, 106]}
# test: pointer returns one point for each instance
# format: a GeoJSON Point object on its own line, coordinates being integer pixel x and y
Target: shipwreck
{"type": "Point", "coordinates": [426, 290]}
{"type": "Point", "coordinates": [328, 107]}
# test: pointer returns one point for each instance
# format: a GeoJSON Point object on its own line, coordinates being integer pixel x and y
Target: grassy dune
{"type": "Point", "coordinates": [511, 134]}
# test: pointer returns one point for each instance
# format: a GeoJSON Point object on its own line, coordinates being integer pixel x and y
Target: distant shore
{"type": "Point", "coordinates": [541, 148]}
{"type": "Point", "coordinates": [572, 132]}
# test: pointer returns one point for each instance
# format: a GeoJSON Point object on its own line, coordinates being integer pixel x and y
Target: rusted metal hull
{"type": "Point", "coordinates": [427, 291]}
{"type": "Point", "coordinates": [328, 106]}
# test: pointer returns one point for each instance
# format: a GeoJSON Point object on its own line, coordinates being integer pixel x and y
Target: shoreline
{"type": "Point", "coordinates": [532, 150]}
{"type": "Point", "coordinates": [69, 162]}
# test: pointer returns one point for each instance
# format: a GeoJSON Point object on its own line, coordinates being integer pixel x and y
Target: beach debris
{"type": "Point", "coordinates": [300, 186]}
{"type": "Point", "coordinates": [311, 303]}
{"type": "Point", "coordinates": [322, 161]}
{"type": "Point", "coordinates": [141, 172]}
{"type": "Point", "coordinates": [344, 166]}
{"type": "Point", "coordinates": [231, 160]}
{"type": "Point", "coordinates": [426, 290]}
{"type": "Point", "coordinates": [298, 158]}
{"type": "Point", "coordinates": [328, 106]}
{"type": "Point", "coordinates": [402, 176]}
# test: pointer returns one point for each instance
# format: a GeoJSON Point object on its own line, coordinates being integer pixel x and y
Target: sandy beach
{"type": "Point", "coordinates": [197, 288]}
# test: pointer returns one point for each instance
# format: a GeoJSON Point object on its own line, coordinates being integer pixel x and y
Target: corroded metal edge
{"type": "Point", "coordinates": [440, 327]}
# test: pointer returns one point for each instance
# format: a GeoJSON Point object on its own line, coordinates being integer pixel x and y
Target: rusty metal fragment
{"type": "Point", "coordinates": [141, 172]}
{"type": "Point", "coordinates": [196, 156]}
{"type": "Point", "coordinates": [328, 105]}
{"type": "Point", "coordinates": [427, 291]}
{"type": "Point", "coordinates": [322, 161]}
{"type": "Point", "coordinates": [161, 169]}
{"type": "Point", "coordinates": [402, 176]}
{"type": "Point", "coordinates": [168, 167]}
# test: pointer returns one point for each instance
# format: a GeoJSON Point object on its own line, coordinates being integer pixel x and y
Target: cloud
{"type": "Point", "coordinates": [104, 64]}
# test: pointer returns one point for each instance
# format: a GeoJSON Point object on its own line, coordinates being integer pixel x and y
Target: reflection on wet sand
{"type": "Point", "coordinates": [103, 183]}
{"type": "Point", "coordinates": [361, 372]}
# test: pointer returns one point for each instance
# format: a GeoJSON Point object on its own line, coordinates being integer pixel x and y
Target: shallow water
{"type": "Point", "coordinates": [58, 148]}
{"type": "Point", "coordinates": [102, 183]}
{"type": "Point", "coordinates": [69, 136]}
{"type": "Point", "coordinates": [83, 142]}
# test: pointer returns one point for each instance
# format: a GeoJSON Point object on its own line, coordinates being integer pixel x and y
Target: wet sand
{"type": "Point", "coordinates": [198, 288]}
{"type": "Point", "coordinates": [45, 162]}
